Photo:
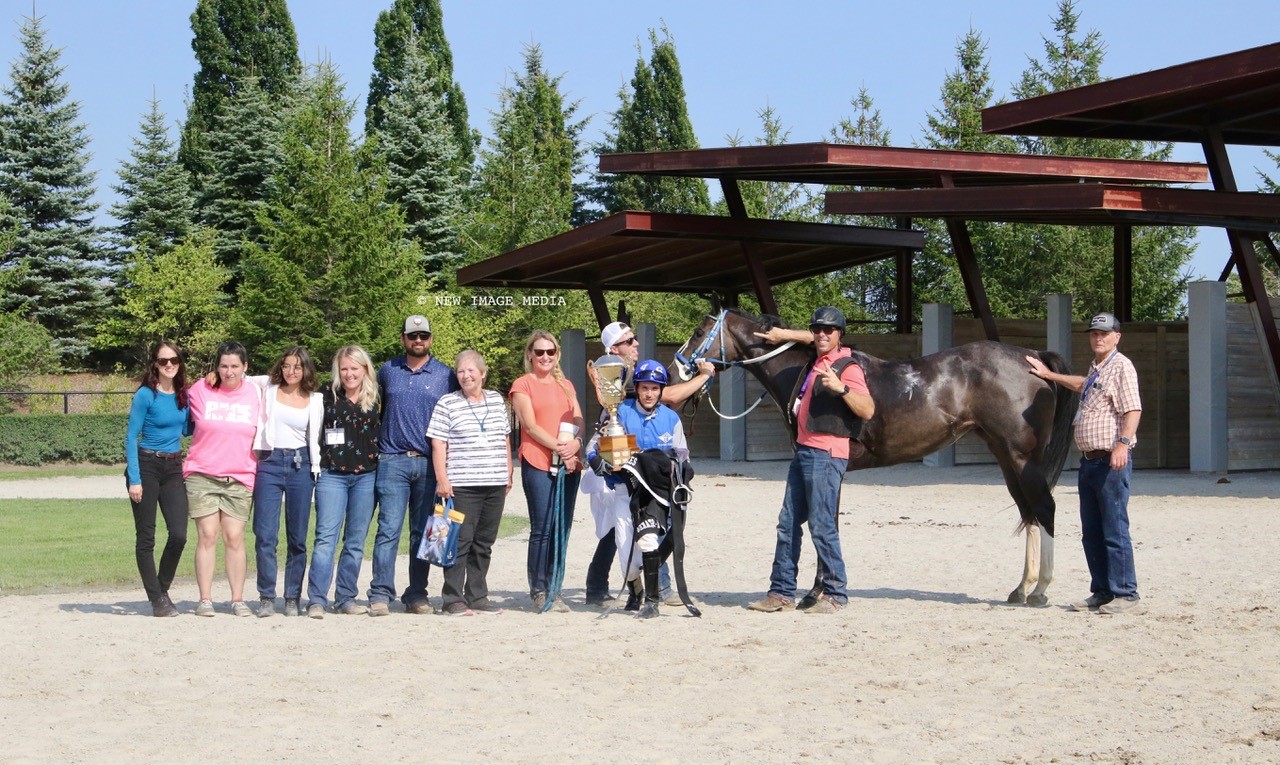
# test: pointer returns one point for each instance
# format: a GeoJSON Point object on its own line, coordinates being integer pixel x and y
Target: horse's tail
{"type": "Point", "coordinates": [1064, 414]}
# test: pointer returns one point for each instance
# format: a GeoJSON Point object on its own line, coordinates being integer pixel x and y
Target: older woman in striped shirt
{"type": "Point", "coordinates": [471, 454]}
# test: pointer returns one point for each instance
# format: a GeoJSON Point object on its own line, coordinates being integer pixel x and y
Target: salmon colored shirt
{"type": "Point", "coordinates": [851, 376]}
{"type": "Point", "coordinates": [551, 406]}
{"type": "Point", "coordinates": [225, 423]}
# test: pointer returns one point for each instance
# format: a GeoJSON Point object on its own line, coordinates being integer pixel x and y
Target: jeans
{"type": "Point", "coordinates": [279, 474]}
{"type": "Point", "coordinates": [342, 499]}
{"type": "Point", "coordinates": [466, 580]}
{"type": "Point", "coordinates": [813, 496]}
{"type": "Point", "coordinates": [538, 485]}
{"type": "Point", "coordinates": [162, 484]}
{"type": "Point", "coordinates": [1104, 527]}
{"type": "Point", "coordinates": [403, 482]}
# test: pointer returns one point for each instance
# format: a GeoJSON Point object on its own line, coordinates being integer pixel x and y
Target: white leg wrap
{"type": "Point", "coordinates": [648, 543]}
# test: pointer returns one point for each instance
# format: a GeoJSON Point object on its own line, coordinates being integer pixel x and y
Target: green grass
{"type": "Point", "coordinates": [21, 473]}
{"type": "Point", "coordinates": [59, 544]}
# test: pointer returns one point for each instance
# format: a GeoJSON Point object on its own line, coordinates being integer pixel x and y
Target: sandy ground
{"type": "Point", "coordinates": [927, 664]}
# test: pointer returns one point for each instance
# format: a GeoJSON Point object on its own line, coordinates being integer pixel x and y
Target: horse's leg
{"type": "Point", "coordinates": [1030, 566]}
{"type": "Point", "coordinates": [1011, 466]}
{"type": "Point", "coordinates": [1038, 596]}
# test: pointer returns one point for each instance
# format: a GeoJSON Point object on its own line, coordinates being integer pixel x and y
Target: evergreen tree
{"type": "Point", "coordinates": [421, 156]}
{"type": "Point", "coordinates": [334, 267]}
{"type": "Point", "coordinates": [174, 294]}
{"type": "Point", "coordinates": [653, 116]}
{"type": "Point", "coordinates": [418, 25]}
{"type": "Point", "coordinates": [235, 41]}
{"type": "Point", "coordinates": [156, 208]}
{"type": "Point", "coordinates": [245, 153]}
{"type": "Point", "coordinates": [54, 278]}
{"type": "Point", "coordinates": [1078, 260]}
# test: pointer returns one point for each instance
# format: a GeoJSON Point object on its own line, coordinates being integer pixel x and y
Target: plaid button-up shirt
{"type": "Point", "coordinates": [1105, 401]}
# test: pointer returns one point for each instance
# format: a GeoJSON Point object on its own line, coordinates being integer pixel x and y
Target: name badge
{"type": "Point", "coordinates": [334, 436]}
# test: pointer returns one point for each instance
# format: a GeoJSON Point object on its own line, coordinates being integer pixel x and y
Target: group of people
{"type": "Point", "coordinates": [418, 431]}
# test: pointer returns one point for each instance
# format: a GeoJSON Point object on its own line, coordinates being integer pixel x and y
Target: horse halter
{"type": "Point", "coordinates": [687, 367]}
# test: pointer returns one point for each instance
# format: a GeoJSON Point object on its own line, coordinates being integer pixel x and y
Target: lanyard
{"type": "Point", "coordinates": [1092, 379]}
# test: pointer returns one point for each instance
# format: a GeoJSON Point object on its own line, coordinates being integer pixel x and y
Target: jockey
{"type": "Point", "coordinates": [656, 427]}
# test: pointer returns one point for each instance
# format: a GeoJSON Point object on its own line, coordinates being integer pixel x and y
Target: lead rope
{"type": "Point", "coordinates": [559, 540]}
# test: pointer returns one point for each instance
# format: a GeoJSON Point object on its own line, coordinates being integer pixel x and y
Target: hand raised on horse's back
{"type": "Point", "coordinates": [780, 335]}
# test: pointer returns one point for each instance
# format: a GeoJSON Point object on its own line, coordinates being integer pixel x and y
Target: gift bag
{"type": "Point", "coordinates": [439, 543]}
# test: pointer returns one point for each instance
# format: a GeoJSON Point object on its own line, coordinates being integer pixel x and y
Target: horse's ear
{"type": "Point", "coordinates": [716, 306]}
{"type": "Point", "coordinates": [624, 315]}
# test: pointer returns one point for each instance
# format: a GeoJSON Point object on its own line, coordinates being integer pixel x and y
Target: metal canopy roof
{"type": "Point", "coordinates": [892, 167]}
{"type": "Point", "coordinates": [657, 252]}
{"type": "Point", "coordinates": [1238, 93]}
{"type": "Point", "coordinates": [1080, 204]}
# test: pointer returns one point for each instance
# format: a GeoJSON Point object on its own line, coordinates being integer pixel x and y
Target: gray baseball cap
{"type": "Point", "coordinates": [1105, 322]}
{"type": "Point", "coordinates": [417, 323]}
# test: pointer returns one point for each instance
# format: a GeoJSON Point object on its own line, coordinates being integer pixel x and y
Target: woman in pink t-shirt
{"type": "Point", "coordinates": [546, 405]}
{"type": "Point", "coordinates": [220, 470]}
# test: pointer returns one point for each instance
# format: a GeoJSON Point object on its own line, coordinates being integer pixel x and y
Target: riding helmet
{"type": "Point", "coordinates": [828, 316]}
{"type": "Point", "coordinates": [651, 371]}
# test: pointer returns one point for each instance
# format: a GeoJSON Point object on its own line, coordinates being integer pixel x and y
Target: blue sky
{"type": "Point", "coordinates": [805, 59]}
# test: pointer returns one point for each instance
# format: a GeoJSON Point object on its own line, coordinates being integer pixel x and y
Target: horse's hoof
{"type": "Point", "coordinates": [808, 601]}
{"type": "Point", "coordinates": [1038, 601]}
{"type": "Point", "coordinates": [1017, 596]}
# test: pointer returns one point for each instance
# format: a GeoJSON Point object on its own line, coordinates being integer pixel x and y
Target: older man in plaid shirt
{"type": "Point", "coordinates": [1105, 432]}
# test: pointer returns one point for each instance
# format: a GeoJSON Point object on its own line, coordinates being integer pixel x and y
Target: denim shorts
{"type": "Point", "coordinates": [207, 494]}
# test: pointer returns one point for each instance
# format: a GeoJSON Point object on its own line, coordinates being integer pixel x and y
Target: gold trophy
{"type": "Point", "coordinates": [610, 376]}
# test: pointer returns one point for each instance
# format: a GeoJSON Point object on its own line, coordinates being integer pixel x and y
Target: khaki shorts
{"type": "Point", "coordinates": [208, 494]}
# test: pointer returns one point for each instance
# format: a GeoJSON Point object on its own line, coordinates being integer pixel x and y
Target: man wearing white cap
{"type": "Point", "coordinates": [409, 387]}
{"type": "Point", "coordinates": [1106, 432]}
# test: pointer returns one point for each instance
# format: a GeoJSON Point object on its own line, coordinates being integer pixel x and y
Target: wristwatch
{"type": "Point", "coordinates": [846, 390]}
{"type": "Point", "coordinates": [1129, 442]}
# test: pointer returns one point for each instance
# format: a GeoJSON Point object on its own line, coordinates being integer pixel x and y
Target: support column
{"type": "Point", "coordinates": [970, 271]}
{"type": "Point", "coordinates": [733, 399]}
{"type": "Point", "coordinates": [599, 306]}
{"type": "Point", "coordinates": [937, 336]}
{"type": "Point", "coordinates": [1058, 326]}
{"type": "Point", "coordinates": [1122, 267]}
{"type": "Point", "coordinates": [647, 334]}
{"type": "Point", "coordinates": [573, 362]}
{"type": "Point", "coordinates": [1207, 369]}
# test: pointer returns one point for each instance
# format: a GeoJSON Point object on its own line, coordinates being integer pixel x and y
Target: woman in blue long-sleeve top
{"type": "Point", "coordinates": [158, 419]}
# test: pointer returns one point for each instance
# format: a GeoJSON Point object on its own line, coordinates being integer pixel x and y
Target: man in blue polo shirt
{"type": "Point", "coordinates": [409, 386]}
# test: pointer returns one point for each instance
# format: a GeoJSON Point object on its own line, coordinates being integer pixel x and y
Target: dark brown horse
{"type": "Point", "coordinates": [925, 404]}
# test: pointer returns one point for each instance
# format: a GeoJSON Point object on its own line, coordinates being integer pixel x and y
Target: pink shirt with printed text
{"type": "Point", "coordinates": [851, 376]}
{"type": "Point", "coordinates": [225, 423]}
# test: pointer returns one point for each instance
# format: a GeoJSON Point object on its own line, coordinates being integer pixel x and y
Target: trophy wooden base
{"type": "Point", "coordinates": [618, 449]}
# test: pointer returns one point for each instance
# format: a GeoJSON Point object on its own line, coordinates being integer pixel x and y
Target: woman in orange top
{"type": "Point", "coordinates": [546, 405]}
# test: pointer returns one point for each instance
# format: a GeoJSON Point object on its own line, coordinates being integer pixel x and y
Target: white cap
{"type": "Point", "coordinates": [611, 334]}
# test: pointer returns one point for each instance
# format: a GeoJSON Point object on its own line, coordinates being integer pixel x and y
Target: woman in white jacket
{"type": "Point", "coordinates": [288, 450]}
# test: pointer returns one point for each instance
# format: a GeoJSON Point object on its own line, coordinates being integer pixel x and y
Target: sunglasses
{"type": "Point", "coordinates": [544, 351]}
{"type": "Point", "coordinates": [629, 341]}
{"type": "Point", "coordinates": [823, 330]}
{"type": "Point", "coordinates": [167, 361]}
{"type": "Point", "coordinates": [418, 335]}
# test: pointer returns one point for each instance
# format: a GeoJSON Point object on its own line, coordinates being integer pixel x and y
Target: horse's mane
{"type": "Point", "coordinates": [766, 320]}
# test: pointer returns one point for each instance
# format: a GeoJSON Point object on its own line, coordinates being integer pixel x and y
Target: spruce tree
{"type": "Point", "coordinates": [653, 116]}
{"type": "Point", "coordinates": [234, 41]}
{"type": "Point", "coordinates": [156, 209]}
{"type": "Point", "coordinates": [333, 267]}
{"type": "Point", "coordinates": [245, 154]}
{"type": "Point", "coordinates": [54, 276]}
{"type": "Point", "coordinates": [418, 25]}
{"type": "Point", "coordinates": [421, 157]}
{"type": "Point", "coordinates": [1078, 260]}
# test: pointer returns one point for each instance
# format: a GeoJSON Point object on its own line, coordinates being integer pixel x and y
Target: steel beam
{"type": "Point", "coordinates": [1122, 266]}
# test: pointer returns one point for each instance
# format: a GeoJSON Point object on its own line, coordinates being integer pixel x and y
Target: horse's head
{"type": "Point", "coordinates": [723, 338]}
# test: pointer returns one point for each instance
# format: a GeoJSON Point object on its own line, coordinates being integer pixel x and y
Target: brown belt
{"type": "Point", "coordinates": [1097, 454]}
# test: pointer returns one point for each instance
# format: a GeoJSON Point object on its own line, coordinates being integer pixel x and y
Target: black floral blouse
{"type": "Point", "coordinates": [355, 448]}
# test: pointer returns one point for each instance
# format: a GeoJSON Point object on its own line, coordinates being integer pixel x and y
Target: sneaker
{"type": "Point", "coordinates": [559, 606]}
{"type": "Point", "coordinates": [771, 603]}
{"type": "Point", "coordinates": [1091, 603]}
{"type": "Point", "coordinates": [539, 601]}
{"type": "Point", "coordinates": [352, 608]}
{"type": "Point", "coordinates": [205, 608]}
{"type": "Point", "coordinates": [824, 605]}
{"type": "Point", "coordinates": [266, 607]}
{"type": "Point", "coordinates": [291, 607]}
{"type": "Point", "coordinates": [419, 607]}
{"type": "Point", "coordinates": [240, 608]}
{"type": "Point", "coordinates": [379, 608]}
{"type": "Point", "coordinates": [1122, 606]}
{"type": "Point", "coordinates": [315, 611]}
{"type": "Point", "coordinates": [486, 606]}
{"type": "Point", "coordinates": [456, 608]}
{"type": "Point", "coordinates": [163, 607]}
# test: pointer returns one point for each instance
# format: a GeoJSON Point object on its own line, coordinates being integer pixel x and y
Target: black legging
{"type": "Point", "coordinates": [161, 484]}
